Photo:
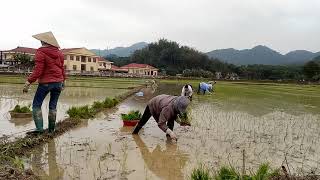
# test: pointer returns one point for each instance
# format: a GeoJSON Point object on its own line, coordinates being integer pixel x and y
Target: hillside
{"type": "Point", "coordinates": [301, 56]}
{"type": "Point", "coordinates": [317, 58]}
{"type": "Point", "coordinates": [172, 58]}
{"type": "Point", "coordinates": [262, 55]}
{"type": "Point", "coordinates": [120, 51]}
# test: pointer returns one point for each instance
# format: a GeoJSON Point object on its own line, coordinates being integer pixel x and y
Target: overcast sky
{"type": "Point", "coordinates": [283, 25]}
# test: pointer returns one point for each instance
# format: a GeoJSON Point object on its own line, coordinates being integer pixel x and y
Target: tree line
{"type": "Point", "coordinates": [171, 59]}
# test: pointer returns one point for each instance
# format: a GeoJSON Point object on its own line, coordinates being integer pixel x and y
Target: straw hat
{"type": "Point", "coordinates": [47, 37]}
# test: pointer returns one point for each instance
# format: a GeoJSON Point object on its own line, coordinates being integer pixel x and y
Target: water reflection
{"type": "Point", "coordinates": [11, 95]}
{"type": "Point", "coordinates": [37, 163]}
{"type": "Point", "coordinates": [166, 163]}
{"type": "Point", "coordinates": [20, 121]}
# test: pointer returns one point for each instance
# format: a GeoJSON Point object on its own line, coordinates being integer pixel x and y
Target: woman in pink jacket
{"type": "Point", "coordinates": [49, 71]}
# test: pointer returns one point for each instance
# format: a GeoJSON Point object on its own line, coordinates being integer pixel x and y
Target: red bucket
{"type": "Point", "coordinates": [130, 122]}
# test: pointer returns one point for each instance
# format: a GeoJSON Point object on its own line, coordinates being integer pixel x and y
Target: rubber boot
{"type": "Point", "coordinates": [52, 120]}
{"type": "Point", "coordinates": [38, 121]}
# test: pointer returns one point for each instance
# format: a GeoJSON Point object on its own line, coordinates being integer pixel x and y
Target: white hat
{"type": "Point", "coordinates": [47, 37]}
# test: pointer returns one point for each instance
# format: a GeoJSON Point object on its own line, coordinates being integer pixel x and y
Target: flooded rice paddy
{"type": "Point", "coordinates": [78, 92]}
{"type": "Point", "coordinates": [269, 123]}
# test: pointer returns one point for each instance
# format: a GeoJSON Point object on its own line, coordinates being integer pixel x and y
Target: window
{"type": "Point", "coordinates": [74, 67]}
{"type": "Point", "coordinates": [71, 58]}
{"type": "Point", "coordinates": [94, 60]}
{"type": "Point", "coordinates": [89, 59]}
{"type": "Point", "coordinates": [65, 57]}
{"type": "Point", "coordinates": [91, 68]}
{"type": "Point", "coordinates": [77, 58]}
{"type": "Point", "coordinates": [65, 67]}
{"type": "Point", "coordinates": [83, 59]}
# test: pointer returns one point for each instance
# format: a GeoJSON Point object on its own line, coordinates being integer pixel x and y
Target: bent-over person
{"type": "Point", "coordinates": [164, 109]}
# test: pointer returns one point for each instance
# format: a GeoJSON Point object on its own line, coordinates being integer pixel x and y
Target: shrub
{"type": "Point", "coordinates": [82, 112]}
{"type": "Point", "coordinates": [201, 173]}
{"type": "Point", "coordinates": [132, 115]}
{"type": "Point", "coordinates": [23, 109]}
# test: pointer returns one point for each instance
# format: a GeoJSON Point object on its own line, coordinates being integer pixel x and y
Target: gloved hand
{"type": "Point", "coordinates": [171, 134]}
{"type": "Point", "coordinates": [26, 87]}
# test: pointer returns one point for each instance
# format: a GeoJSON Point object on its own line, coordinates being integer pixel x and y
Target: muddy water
{"type": "Point", "coordinates": [103, 149]}
{"type": "Point", "coordinates": [11, 95]}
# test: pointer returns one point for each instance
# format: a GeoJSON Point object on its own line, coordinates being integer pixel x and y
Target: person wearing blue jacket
{"type": "Point", "coordinates": [205, 88]}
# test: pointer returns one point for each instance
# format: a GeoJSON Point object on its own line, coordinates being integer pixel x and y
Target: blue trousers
{"type": "Point", "coordinates": [43, 90]}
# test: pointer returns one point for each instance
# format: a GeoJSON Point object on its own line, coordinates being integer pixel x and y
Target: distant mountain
{"type": "Point", "coordinates": [120, 51]}
{"type": "Point", "coordinates": [262, 55]}
{"type": "Point", "coordinates": [300, 56]}
{"type": "Point", "coordinates": [317, 58]}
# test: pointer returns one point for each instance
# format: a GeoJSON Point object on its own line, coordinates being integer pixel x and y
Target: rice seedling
{"type": "Point", "coordinates": [227, 173]}
{"type": "Point", "coordinates": [123, 163]}
{"type": "Point", "coordinates": [201, 173]}
{"type": "Point", "coordinates": [264, 172]}
{"type": "Point", "coordinates": [132, 115]}
{"type": "Point", "coordinates": [98, 105]}
{"type": "Point", "coordinates": [108, 103]}
{"type": "Point", "coordinates": [21, 109]}
{"type": "Point", "coordinates": [184, 120]}
{"type": "Point", "coordinates": [82, 112]}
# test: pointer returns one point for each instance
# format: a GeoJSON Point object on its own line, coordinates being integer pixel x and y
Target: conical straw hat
{"type": "Point", "coordinates": [47, 37]}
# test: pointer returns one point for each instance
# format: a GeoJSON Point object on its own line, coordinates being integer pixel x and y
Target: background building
{"type": "Point", "coordinates": [141, 69]}
{"type": "Point", "coordinates": [8, 56]}
{"type": "Point", "coordinates": [104, 65]}
{"type": "Point", "coordinates": [80, 61]}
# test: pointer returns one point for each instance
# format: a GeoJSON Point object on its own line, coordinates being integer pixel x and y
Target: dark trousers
{"type": "Point", "coordinates": [145, 117]}
{"type": "Point", "coordinates": [43, 89]}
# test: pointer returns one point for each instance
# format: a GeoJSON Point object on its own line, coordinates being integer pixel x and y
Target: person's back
{"type": "Point", "coordinates": [49, 65]}
{"type": "Point", "coordinates": [157, 103]}
{"type": "Point", "coordinates": [49, 71]}
{"type": "Point", "coordinates": [205, 88]}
